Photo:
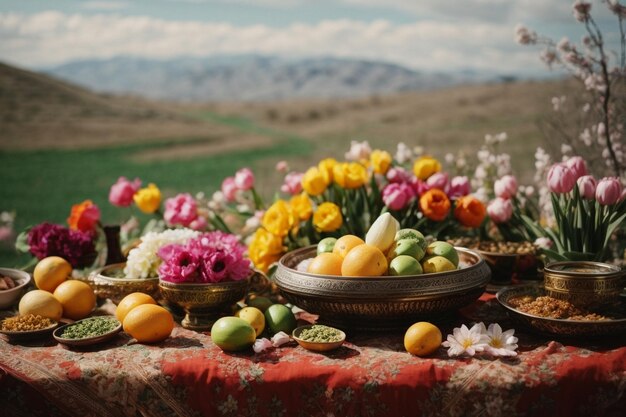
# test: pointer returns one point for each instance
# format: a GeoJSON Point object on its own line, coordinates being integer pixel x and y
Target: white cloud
{"type": "Point", "coordinates": [104, 5]}
{"type": "Point", "coordinates": [51, 38]}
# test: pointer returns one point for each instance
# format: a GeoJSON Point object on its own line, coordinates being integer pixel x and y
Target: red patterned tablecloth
{"type": "Point", "coordinates": [371, 375]}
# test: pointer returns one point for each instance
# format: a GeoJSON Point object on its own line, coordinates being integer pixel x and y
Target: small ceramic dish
{"type": "Point", "coordinates": [87, 340]}
{"type": "Point", "coordinates": [21, 280]}
{"type": "Point", "coordinates": [317, 346]}
{"type": "Point", "coordinates": [29, 334]}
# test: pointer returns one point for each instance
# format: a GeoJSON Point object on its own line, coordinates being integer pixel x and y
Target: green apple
{"type": "Point", "coordinates": [405, 265]}
{"type": "Point", "coordinates": [411, 234]}
{"type": "Point", "coordinates": [326, 245]}
{"type": "Point", "coordinates": [279, 318]}
{"type": "Point", "coordinates": [409, 247]}
{"type": "Point", "coordinates": [432, 264]}
{"type": "Point", "coordinates": [444, 249]}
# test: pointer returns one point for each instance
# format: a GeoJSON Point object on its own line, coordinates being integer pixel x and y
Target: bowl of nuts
{"type": "Point", "coordinates": [12, 285]}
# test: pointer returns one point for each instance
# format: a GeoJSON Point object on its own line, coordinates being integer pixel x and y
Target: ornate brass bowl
{"type": "Point", "coordinates": [584, 284]}
{"type": "Point", "coordinates": [203, 303]}
{"type": "Point", "coordinates": [106, 283]}
{"type": "Point", "coordinates": [385, 302]}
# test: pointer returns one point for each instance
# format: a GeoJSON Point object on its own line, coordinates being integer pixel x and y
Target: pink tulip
{"type": "Point", "coordinates": [182, 210]}
{"type": "Point", "coordinates": [397, 196]}
{"type": "Point", "coordinates": [561, 179]}
{"type": "Point", "coordinates": [500, 210]}
{"type": "Point", "coordinates": [398, 174]}
{"type": "Point", "coordinates": [244, 179]}
{"type": "Point", "coordinates": [459, 187]}
{"type": "Point", "coordinates": [623, 196]}
{"type": "Point", "coordinates": [122, 192]}
{"type": "Point", "coordinates": [229, 189]}
{"type": "Point", "coordinates": [419, 186]}
{"type": "Point", "coordinates": [587, 186]}
{"type": "Point", "coordinates": [505, 187]}
{"type": "Point", "coordinates": [438, 180]}
{"type": "Point", "coordinates": [293, 183]}
{"type": "Point", "coordinates": [282, 166]}
{"type": "Point", "coordinates": [608, 191]}
{"type": "Point", "coordinates": [577, 165]}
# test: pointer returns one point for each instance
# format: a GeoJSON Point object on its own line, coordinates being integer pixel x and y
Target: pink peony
{"type": "Point", "coordinates": [459, 187]}
{"type": "Point", "coordinates": [397, 195]}
{"type": "Point", "coordinates": [75, 246]}
{"type": "Point", "coordinates": [608, 191]}
{"type": "Point", "coordinates": [500, 210]}
{"type": "Point", "coordinates": [244, 179]}
{"type": "Point", "coordinates": [122, 192]}
{"type": "Point", "coordinates": [229, 189]}
{"type": "Point", "coordinates": [577, 165]}
{"type": "Point", "coordinates": [587, 186]}
{"type": "Point", "coordinates": [182, 210]}
{"type": "Point", "coordinates": [398, 174]}
{"type": "Point", "coordinates": [438, 180]}
{"type": "Point", "coordinates": [179, 264]}
{"type": "Point", "coordinates": [505, 187]}
{"type": "Point", "coordinates": [293, 183]}
{"type": "Point", "coordinates": [561, 179]}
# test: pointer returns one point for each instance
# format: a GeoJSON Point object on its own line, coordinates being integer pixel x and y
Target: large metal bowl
{"type": "Point", "coordinates": [381, 303]}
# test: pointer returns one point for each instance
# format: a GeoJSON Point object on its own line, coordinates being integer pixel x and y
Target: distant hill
{"type": "Point", "coordinates": [253, 78]}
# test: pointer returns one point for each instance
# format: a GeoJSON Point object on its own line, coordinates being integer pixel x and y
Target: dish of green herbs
{"type": "Point", "coordinates": [90, 328]}
{"type": "Point", "coordinates": [321, 334]}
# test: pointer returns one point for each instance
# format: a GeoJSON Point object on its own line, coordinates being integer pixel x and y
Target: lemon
{"type": "Point", "coordinates": [422, 339]}
{"type": "Point", "coordinates": [254, 317]}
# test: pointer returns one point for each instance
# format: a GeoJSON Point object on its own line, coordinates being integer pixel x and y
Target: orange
{"type": "Point", "coordinates": [148, 323]}
{"type": "Point", "coordinates": [345, 244]}
{"type": "Point", "coordinates": [50, 272]}
{"type": "Point", "coordinates": [326, 263]}
{"type": "Point", "coordinates": [131, 301]}
{"type": "Point", "coordinates": [422, 339]}
{"type": "Point", "coordinates": [77, 299]}
{"type": "Point", "coordinates": [42, 303]}
{"type": "Point", "coordinates": [364, 260]}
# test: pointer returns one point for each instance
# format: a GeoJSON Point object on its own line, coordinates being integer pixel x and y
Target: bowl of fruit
{"type": "Point", "coordinates": [390, 279]}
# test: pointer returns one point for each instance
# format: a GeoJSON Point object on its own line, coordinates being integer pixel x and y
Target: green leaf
{"type": "Point", "coordinates": [552, 255]}
{"type": "Point", "coordinates": [21, 243]}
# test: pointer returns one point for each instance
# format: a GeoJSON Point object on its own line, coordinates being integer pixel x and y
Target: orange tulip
{"type": "Point", "coordinates": [84, 216]}
{"type": "Point", "coordinates": [435, 204]}
{"type": "Point", "coordinates": [470, 211]}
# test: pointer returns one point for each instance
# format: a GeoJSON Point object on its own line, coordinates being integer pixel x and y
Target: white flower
{"type": "Point", "coordinates": [280, 339]}
{"type": "Point", "coordinates": [261, 344]}
{"type": "Point", "coordinates": [359, 151]}
{"type": "Point", "coordinates": [499, 343]}
{"type": "Point", "coordinates": [524, 36]}
{"type": "Point", "coordinates": [403, 153]}
{"type": "Point", "coordinates": [543, 242]}
{"type": "Point", "coordinates": [464, 340]}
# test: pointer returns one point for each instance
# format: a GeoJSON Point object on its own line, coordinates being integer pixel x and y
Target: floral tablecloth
{"type": "Point", "coordinates": [371, 375]}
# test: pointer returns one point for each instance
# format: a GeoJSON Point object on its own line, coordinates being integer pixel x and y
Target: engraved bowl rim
{"type": "Point", "coordinates": [607, 270]}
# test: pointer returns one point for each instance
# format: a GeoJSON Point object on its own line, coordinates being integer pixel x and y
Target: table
{"type": "Point", "coordinates": [371, 375]}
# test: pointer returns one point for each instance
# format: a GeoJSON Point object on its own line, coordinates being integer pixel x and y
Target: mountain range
{"type": "Point", "coordinates": [253, 78]}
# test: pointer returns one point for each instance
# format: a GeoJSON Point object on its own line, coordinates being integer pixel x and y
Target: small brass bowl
{"type": "Point", "coordinates": [203, 303]}
{"type": "Point", "coordinates": [316, 346]}
{"type": "Point", "coordinates": [106, 284]}
{"type": "Point", "coordinates": [584, 284]}
{"type": "Point", "coordinates": [385, 302]}
{"type": "Point", "coordinates": [504, 265]}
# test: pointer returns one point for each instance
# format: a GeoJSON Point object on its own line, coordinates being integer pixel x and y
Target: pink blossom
{"type": "Point", "coordinates": [608, 191]}
{"type": "Point", "coordinates": [293, 183]}
{"type": "Point", "coordinates": [587, 186]}
{"type": "Point", "coordinates": [199, 223]}
{"type": "Point", "coordinates": [181, 210]}
{"type": "Point", "coordinates": [561, 179]}
{"type": "Point", "coordinates": [280, 339]}
{"type": "Point", "coordinates": [229, 189]}
{"type": "Point", "coordinates": [398, 174]}
{"type": "Point", "coordinates": [438, 180]}
{"type": "Point", "coordinates": [122, 192]}
{"type": "Point", "coordinates": [219, 265]}
{"type": "Point", "coordinates": [282, 166]}
{"type": "Point", "coordinates": [261, 344]}
{"type": "Point", "coordinates": [244, 179]}
{"type": "Point", "coordinates": [505, 187]}
{"type": "Point", "coordinates": [359, 151]}
{"type": "Point", "coordinates": [543, 242]}
{"type": "Point", "coordinates": [524, 36]}
{"type": "Point", "coordinates": [419, 186]}
{"type": "Point", "coordinates": [581, 10]}
{"type": "Point", "coordinates": [459, 186]}
{"type": "Point", "coordinates": [6, 232]}
{"type": "Point", "coordinates": [577, 165]}
{"type": "Point", "coordinates": [397, 196]}
{"type": "Point", "coordinates": [500, 210]}
{"type": "Point", "coordinates": [179, 264]}
{"type": "Point", "coordinates": [130, 225]}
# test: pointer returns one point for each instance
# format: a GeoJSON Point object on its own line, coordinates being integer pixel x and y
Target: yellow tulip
{"type": "Point", "coordinates": [301, 205]}
{"type": "Point", "coordinates": [327, 217]}
{"type": "Point", "coordinates": [148, 199]}
{"type": "Point", "coordinates": [381, 161]}
{"type": "Point", "coordinates": [350, 175]}
{"type": "Point", "coordinates": [265, 248]}
{"type": "Point", "coordinates": [426, 166]}
{"type": "Point", "coordinates": [313, 182]}
{"type": "Point", "coordinates": [326, 168]}
{"type": "Point", "coordinates": [279, 219]}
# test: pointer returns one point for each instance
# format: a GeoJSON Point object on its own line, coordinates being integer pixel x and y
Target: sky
{"type": "Point", "coordinates": [426, 35]}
